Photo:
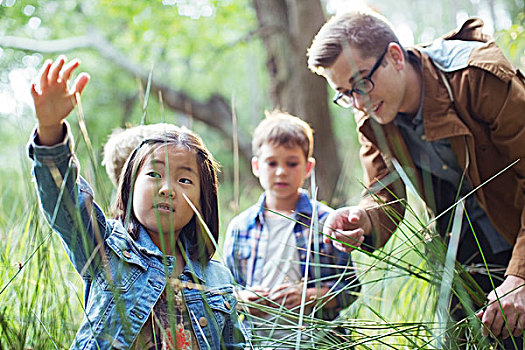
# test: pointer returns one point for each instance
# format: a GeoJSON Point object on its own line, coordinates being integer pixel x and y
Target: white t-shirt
{"type": "Point", "coordinates": [281, 260]}
{"type": "Point", "coordinates": [281, 265]}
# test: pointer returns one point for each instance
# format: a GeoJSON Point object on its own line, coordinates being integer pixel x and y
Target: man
{"type": "Point", "coordinates": [452, 114]}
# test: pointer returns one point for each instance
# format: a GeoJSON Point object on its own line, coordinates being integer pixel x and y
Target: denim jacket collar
{"type": "Point", "coordinates": [146, 246]}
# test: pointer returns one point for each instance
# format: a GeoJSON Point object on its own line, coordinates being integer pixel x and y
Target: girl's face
{"type": "Point", "coordinates": [158, 203]}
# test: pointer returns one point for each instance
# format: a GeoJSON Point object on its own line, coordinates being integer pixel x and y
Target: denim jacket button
{"type": "Point", "coordinates": [203, 322]}
{"type": "Point", "coordinates": [126, 254]}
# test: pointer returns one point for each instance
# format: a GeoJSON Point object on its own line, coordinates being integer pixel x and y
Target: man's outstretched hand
{"type": "Point", "coordinates": [346, 228]}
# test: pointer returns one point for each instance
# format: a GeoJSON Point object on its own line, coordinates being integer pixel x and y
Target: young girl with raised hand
{"type": "Point", "coordinates": [149, 279]}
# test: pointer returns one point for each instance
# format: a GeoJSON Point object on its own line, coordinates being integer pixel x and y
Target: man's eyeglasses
{"type": "Point", "coordinates": [363, 86]}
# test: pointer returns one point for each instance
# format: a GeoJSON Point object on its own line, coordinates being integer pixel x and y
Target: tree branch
{"type": "Point", "coordinates": [215, 112]}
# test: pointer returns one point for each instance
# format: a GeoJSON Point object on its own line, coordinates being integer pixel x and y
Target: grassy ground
{"type": "Point", "coordinates": [41, 294]}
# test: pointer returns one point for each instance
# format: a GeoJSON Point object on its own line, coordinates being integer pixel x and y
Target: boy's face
{"type": "Point", "coordinates": [281, 170]}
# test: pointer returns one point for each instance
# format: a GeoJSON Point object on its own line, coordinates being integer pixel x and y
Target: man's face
{"type": "Point", "coordinates": [387, 97]}
{"type": "Point", "coordinates": [281, 171]}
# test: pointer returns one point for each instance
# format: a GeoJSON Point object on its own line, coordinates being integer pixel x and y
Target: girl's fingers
{"type": "Point", "coordinates": [68, 69]}
{"type": "Point", "coordinates": [80, 83]}
{"type": "Point", "coordinates": [44, 75]}
{"type": "Point", "coordinates": [34, 93]}
{"type": "Point", "coordinates": [57, 67]}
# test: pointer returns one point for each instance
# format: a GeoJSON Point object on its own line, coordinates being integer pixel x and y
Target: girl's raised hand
{"type": "Point", "coordinates": [56, 100]}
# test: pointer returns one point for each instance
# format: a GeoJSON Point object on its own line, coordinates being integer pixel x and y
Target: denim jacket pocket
{"type": "Point", "coordinates": [220, 301]}
{"type": "Point", "coordinates": [221, 305]}
{"type": "Point", "coordinates": [121, 268]}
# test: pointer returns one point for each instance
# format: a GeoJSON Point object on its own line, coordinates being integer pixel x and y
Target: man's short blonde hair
{"type": "Point", "coordinates": [283, 129]}
{"type": "Point", "coordinates": [122, 142]}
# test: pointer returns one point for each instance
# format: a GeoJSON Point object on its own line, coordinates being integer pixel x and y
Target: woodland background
{"type": "Point", "coordinates": [212, 65]}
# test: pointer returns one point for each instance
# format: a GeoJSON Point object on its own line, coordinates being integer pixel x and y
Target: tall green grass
{"type": "Point", "coordinates": [397, 307]}
{"type": "Point", "coordinates": [40, 292]}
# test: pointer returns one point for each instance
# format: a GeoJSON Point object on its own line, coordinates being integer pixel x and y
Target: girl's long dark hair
{"type": "Point", "coordinates": [196, 241]}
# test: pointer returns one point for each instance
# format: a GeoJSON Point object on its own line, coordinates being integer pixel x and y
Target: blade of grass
{"type": "Point", "coordinates": [448, 272]}
{"type": "Point", "coordinates": [236, 174]}
{"type": "Point", "coordinates": [313, 228]}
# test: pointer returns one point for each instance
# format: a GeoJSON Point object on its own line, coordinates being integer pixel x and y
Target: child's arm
{"type": "Point", "coordinates": [56, 100]}
{"type": "Point", "coordinates": [66, 199]}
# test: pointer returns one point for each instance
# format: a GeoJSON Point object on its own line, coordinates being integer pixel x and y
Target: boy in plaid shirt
{"type": "Point", "coordinates": [266, 245]}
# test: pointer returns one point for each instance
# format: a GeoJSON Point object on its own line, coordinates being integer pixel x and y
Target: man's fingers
{"type": "Point", "coordinates": [488, 319]}
{"type": "Point", "coordinates": [346, 246]}
{"type": "Point", "coordinates": [353, 237]}
{"type": "Point", "coordinates": [497, 320]}
{"type": "Point", "coordinates": [520, 326]}
{"type": "Point", "coordinates": [353, 219]}
{"type": "Point", "coordinates": [510, 325]}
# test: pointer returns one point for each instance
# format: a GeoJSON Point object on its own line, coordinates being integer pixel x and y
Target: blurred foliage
{"type": "Point", "coordinates": [512, 41]}
{"type": "Point", "coordinates": [215, 54]}
{"type": "Point", "coordinates": [201, 47]}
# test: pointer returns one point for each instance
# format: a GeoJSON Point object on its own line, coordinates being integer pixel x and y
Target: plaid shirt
{"type": "Point", "coordinates": [243, 246]}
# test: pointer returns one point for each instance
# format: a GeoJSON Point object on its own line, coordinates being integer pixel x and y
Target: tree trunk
{"type": "Point", "coordinates": [287, 28]}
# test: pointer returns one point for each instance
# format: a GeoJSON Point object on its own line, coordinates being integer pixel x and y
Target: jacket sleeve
{"type": "Point", "coordinates": [235, 333]}
{"type": "Point", "coordinates": [67, 201]}
{"type": "Point", "coordinates": [228, 252]}
{"type": "Point", "coordinates": [383, 188]}
{"type": "Point", "coordinates": [500, 103]}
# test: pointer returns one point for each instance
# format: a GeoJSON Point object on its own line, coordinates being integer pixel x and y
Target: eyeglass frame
{"type": "Point", "coordinates": [350, 93]}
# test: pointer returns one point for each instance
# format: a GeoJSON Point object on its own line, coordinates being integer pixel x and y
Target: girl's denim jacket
{"type": "Point", "coordinates": [124, 278]}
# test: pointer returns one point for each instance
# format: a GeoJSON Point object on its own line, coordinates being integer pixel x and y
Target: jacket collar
{"type": "Point", "coordinates": [146, 246]}
{"type": "Point", "coordinates": [473, 48]}
{"type": "Point", "coordinates": [303, 206]}
{"type": "Point", "coordinates": [194, 269]}
{"type": "Point", "coordinates": [440, 116]}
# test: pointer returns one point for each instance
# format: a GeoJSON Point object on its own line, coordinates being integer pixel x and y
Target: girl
{"type": "Point", "coordinates": [149, 279]}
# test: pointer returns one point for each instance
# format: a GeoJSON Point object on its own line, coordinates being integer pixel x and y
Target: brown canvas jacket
{"type": "Point", "coordinates": [481, 110]}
